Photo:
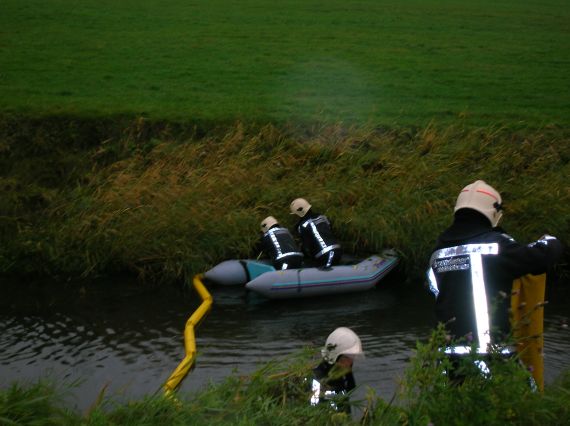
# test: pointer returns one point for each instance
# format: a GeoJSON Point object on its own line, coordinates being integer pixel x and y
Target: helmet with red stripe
{"type": "Point", "coordinates": [483, 198]}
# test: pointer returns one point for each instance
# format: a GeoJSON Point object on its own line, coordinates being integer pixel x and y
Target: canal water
{"type": "Point", "coordinates": [126, 339]}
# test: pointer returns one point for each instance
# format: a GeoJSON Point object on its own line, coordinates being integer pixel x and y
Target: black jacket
{"type": "Point", "coordinates": [278, 244]}
{"type": "Point", "coordinates": [334, 386]}
{"type": "Point", "coordinates": [316, 235]}
{"type": "Point", "coordinates": [453, 269]}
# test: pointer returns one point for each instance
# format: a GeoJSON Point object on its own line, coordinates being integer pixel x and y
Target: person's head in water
{"type": "Point", "coordinates": [341, 346]}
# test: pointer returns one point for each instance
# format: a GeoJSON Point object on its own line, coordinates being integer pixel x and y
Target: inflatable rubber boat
{"type": "Point", "coordinates": [262, 278]}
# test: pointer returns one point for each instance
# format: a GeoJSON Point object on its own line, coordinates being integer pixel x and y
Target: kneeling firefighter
{"type": "Point", "coordinates": [472, 270]}
{"type": "Point", "coordinates": [317, 239]}
{"type": "Point", "coordinates": [280, 245]}
{"type": "Point", "coordinates": [332, 378]}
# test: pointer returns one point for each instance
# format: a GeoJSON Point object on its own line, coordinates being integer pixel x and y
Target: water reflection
{"type": "Point", "coordinates": [129, 339]}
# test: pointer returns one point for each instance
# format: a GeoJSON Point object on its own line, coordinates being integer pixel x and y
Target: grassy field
{"type": "Point", "coordinates": [367, 61]}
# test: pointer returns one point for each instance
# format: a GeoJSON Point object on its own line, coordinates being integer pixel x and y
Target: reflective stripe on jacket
{"type": "Point", "coordinates": [279, 243]}
{"type": "Point", "coordinates": [317, 236]}
{"type": "Point", "coordinates": [471, 273]}
{"type": "Point", "coordinates": [466, 263]}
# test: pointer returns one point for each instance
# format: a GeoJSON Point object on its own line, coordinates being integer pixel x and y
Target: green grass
{"type": "Point", "coordinates": [277, 394]}
{"type": "Point", "coordinates": [368, 61]}
{"type": "Point", "coordinates": [37, 403]}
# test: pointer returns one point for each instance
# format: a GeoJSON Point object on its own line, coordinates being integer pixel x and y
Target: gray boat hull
{"type": "Point", "coordinates": [263, 279]}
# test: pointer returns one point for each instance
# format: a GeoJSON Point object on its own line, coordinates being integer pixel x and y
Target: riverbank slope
{"type": "Point", "coordinates": [166, 200]}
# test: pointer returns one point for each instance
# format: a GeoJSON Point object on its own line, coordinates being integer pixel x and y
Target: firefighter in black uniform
{"type": "Point", "coordinates": [278, 243]}
{"type": "Point", "coordinates": [472, 270]}
{"type": "Point", "coordinates": [317, 239]}
{"type": "Point", "coordinates": [332, 378]}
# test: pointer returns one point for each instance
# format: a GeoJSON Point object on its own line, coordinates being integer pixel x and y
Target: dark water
{"type": "Point", "coordinates": [127, 339]}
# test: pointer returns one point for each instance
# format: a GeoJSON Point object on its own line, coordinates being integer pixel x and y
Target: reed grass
{"type": "Point", "coordinates": [428, 396]}
{"type": "Point", "coordinates": [168, 205]}
{"type": "Point", "coordinates": [278, 393]}
{"type": "Point", "coordinates": [39, 403]}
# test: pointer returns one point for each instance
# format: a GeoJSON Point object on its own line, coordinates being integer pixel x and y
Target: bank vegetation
{"type": "Point", "coordinates": [166, 200]}
{"type": "Point", "coordinates": [278, 394]}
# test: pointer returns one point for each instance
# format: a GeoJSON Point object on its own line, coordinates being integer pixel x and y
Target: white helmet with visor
{"type": "Point", "coordinates": [342, 341]}
{"type": "Point", "coordinates": [300, 207]}
{"type": "Point", "coordinates": [267, 223]}
{"type": "Point", "coordinates": [483, 198]}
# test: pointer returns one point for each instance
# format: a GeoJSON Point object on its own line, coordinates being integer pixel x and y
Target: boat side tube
{"type": "Point", "coordinates": [307, 282]}
{"type": "Point", "coordinates": [227, 273]}
{"type": "Point", "coordinates": [237, 272]}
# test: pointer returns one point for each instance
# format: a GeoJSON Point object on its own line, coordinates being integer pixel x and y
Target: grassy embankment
{"type": "Point", "coordinates": [168, 203]}
{"type": "Point", "coordinates": [276, 394]}
{"type": "Point", "coordinates": [85, 190]}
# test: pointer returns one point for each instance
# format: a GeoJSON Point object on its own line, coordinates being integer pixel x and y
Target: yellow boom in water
{"type": "Point", "coordinates": [189, 337]}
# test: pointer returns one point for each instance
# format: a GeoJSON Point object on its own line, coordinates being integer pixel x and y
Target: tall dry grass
{"type": "Point", "coordinates": [170, 204]}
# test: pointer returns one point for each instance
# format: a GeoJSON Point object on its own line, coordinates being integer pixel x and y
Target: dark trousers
{"type": "Point", "coordinates": [330, 259]}
{"type": "Point", "coordinates": [289, 262]}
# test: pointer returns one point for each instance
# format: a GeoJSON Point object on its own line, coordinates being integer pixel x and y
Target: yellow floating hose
{"type": "Point", "coordinates": [189, 337]}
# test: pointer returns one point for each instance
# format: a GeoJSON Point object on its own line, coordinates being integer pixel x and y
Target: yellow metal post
{"type": "Point", "coordinates": [189, 337]}
{"type": "Point", "coordinates": [527, 307]}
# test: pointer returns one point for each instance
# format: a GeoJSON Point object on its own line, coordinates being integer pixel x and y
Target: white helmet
{"type": "Point", "coordinates": [483, 198]}
{"type": "Point", "coordinates": [342, 341]}
{"type": "Point", "coordinates": [267, 223]}
{"type": "Point", "coordinates": [300, 207]}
